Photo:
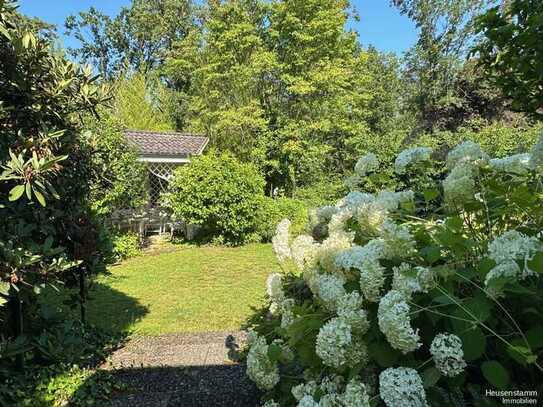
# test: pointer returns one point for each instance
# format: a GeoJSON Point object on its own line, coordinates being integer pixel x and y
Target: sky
{"type": "Point", "coordinates": [380, 24]}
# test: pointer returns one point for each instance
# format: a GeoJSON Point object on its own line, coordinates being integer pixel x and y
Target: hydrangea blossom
{"type": "Point", "coordinates": [287, 315]}
{"type": "Point", "coordinates": [274, 287]}
{"type": "Point", "coordinates": [446, 350]}
{"type": "Point", "coordinates": [513, 245]}
{"type": "Point", "coordinates": [329, 288]}
{"type": "Point", "coordinates": [325, 213]}
{"type": "Point", "coordinates": [355, 395]}
{"type": "Point", "coordinates": [402, 387]}
{"type": "Point", "coordinates": [372, 279]}
{"type": "Point", "coordinates": [518, 163]}
{"type": "Point", "coordinates": [411, 156]}
{"type": "Point", "coordinates": [304, 389]}
{"type": "Point", "coordinates": [394, 322]}
{"type": "Point", "coordinates": [353, 200]}
{"type": "Point", "coordinates": [335, 345]}
{"type": "Point", "coordinates": [536, 155]}
{"type": "Point", "coordinates": [281, 241]}
{"type": "Point", "coordinates": [303, 250]}
{"type": "Point", "coordinates": [260, 368]}
{"type": "Point", "coordinates": [271, 403]}
{"type": "Point", "coordinates": [399, 241]}
{"type": "Point", "coordinates": [507, 271]}
{"type": "Point", "coordinates": [366, 164]}
{"type": "Point", "coordinates": [409, 280]}
{"type": "Point", "coordinates": [459, 185]}
{"type": "Point", "coordinates": [467, 153]}
{"type": "Point", "coordinates": [391, 200]}
{"type": "Point", "coordinates": [327, 251]}
{"type": "Point", "coordinates": [349, 308]}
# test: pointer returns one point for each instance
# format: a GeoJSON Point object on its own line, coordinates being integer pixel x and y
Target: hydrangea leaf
{"type": "Point", "coordinates": [473, 343]}
{"type": "Point", "coordinates": [430, 377]}
{"type": "Point", "coordinates": [495, 374]}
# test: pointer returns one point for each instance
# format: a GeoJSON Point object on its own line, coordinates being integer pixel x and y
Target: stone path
{"type": "Point", "coordinates": [182, 370]}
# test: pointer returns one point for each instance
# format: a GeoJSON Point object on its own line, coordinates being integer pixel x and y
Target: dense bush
{"type": "Point", "coordinates": [426, 295]}
{"type": "Point", "coordinates": [272, 211]}
{"type": "Point", "coordinates": [219, 194]}
{"type": "Point", "coordinates": [126, 245]}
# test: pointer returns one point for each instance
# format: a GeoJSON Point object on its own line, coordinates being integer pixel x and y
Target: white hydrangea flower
{"type": "Point", "coordinates": [467, 153]}
{"type": "Point", "coordinates": [394, 322]}
{"type": "Point", "coordinates": [325, 213]}
{"type": "Point", "coordinates": [366, 164]}
{"type": "Point", "coordinates": [260, 368]}
{"type": "Point", "coordinates": [372, 280]}
{"type": "Point", "coordinates": [513, 245]}
{"type": "Point", "coordinates": [409, 280]}
{"type": "Point", "coordinates": [370, 217]}
{"type": "Point", "coordinates": [446, 350]}
{"type": "Point", "coordinates": [327, 251]}
{"type": "Point", "coordinates": [329, 288]}
{"type": "Point", "coordinates": [332, 384]}
{"type": "Point", "coordinates": [271, 403]}
{"type": "Point", "coordinates": [517, 163]}
{"type": "Point", "coordinates": [330, 400]}
{"type": "Point", "coordinates": [355, 395]}
{"type": "Point", "coordinates": [274, 287]}
{"type": "Point", "coordinates": [459, 186]}
{"type": "Point", "coordinates": [308, 401]}
{"type": "Point", "coordinates": [281, 241]}
{"type": "Point", "coordinates": [303, 250]}
{"type": "Point", "coordinates": [508, 270]}
{"type": "Point", "coordinates": [287, 315]}
{"type": "Point", "coordinates": [349, 308]}
{"type": "Point", "coordinates": [391, 200]}
{"type": "Point", "coordinates": [304, 389]}
{"type": "Point", "coordinates": [536, 155]}
{"type": "Point", "coordinates": [399, 241]}
{"type": "Point", "coordinates": [335, 345]}
{"type": "Point", "coordinates": [411, 156]}
{"type": "Point", "coordinates": [338, 221]}
{"type": "Point", "coordinates": [402, 387]}
{"type": "Point", "coordinates": [354, 199]}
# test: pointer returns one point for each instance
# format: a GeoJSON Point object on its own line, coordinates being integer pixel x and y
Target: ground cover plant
{"type": "Point", "coordinates": [424, 295]}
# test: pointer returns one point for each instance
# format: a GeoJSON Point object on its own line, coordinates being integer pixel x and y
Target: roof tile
{"type": "Point", "coordinates": [165, 142]}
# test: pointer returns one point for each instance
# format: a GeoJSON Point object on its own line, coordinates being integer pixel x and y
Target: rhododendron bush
{"type": "Point", "coordinates": [429, 294]}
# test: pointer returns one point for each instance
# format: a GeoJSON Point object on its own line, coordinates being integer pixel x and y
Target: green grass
{"type": "Point", "coordinates": [188, 289]}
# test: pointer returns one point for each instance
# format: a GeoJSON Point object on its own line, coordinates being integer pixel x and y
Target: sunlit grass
{"type": "Point", "coordinates": [188, 289]}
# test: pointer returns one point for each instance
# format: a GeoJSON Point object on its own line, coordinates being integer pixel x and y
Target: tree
{"type": "Point", "coordinates": [137, 39]}
{"type": "Point", "coordinates": [432, 66]}
{"type": "Point", "coordinates": [228, 63]}
{"type": "Point", "coordinates": [511, 52]}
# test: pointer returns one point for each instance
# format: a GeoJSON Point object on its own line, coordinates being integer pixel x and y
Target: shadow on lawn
{"type": "Point", "coordinates": [187, 386]}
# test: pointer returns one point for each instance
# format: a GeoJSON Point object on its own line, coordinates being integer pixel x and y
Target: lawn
{"type": "Point", "coordinates": [185, 289]}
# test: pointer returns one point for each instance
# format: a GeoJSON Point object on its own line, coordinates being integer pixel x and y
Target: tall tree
{"type": "Point", "coordinates": [136, 39]}
{"type": "Point", "coordinates": [227, 64]}
{"type": "Point", "coordinates": [320, 99]}
{"type": "Point", "coordinates": [432, 65]}
{"type": "Point", "coordinates": [512, 52]}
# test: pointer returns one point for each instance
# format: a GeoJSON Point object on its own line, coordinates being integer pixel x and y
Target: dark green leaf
{"type": "Point", "coordinates": [495, 374]}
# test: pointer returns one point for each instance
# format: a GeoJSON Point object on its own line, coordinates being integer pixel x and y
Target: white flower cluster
{"type": "Point", "coordinates": [394, 322]}
{"type": "Point", "coordinates": [274, 288]}
{"type": "Point", "coordinates": [409, 280]}
{"type": "Point", "coordinates": [303, 251]}
{"type": "Point", "coordinates": [349, 309]}
{"type": "Point", "coordinates": [411, 156]}
{"type": "Point", "coordinates": [398, 240]}
{"type": "Point", "coordinates": [366, 164]}
{"type": "Point", "coordinates": [334, 393]}
{"type": "Point", "coordinates": [260, 368]}
{"type": "Point", "coordinates": [536, 155]}
{"type": "Point", "coordinates": [271, 403]}
{"type": "Point", "coordinates": [506, 250]}
{"type": "Point", "coordinates": [459, 186]}
{"type": "Point", "coordinates": [446, 350]}
{"type": "Point", "coordinates": [518, 163]}
{"type": "Point", "coordinates": [280, 241]}
{"type": "Point", "coordinates": [329, 288]}
{"type": "Point", "coordinates": [336, 345]}
{"type": "Point", "coordinates": [402, 387]}
{"type": "Point", "coordinates": [467, 153]}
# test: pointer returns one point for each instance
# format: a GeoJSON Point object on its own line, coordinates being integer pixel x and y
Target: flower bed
{"type": "Point", "coordinates": [428, 294]}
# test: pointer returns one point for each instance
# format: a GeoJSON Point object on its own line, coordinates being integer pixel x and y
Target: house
{"type": "Point", "coordinates": [162, 151]}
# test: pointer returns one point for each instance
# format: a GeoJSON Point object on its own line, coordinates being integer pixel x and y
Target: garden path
{"type": "Point", "coordinates": [190, 369]}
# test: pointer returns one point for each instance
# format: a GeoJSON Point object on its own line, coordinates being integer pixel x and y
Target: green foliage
{"type": "Point", "coordinates": [141, 103]}
{"type": "Point", "coordinates": [126, 245]}
{"type": "Point", "coordinates": [511, 52]}
{"type": "Point", "coordinates": [219, 194]}
{"type": "Point", "coordinates": [463, 232]}
{"type": "Point", "coordinates": [271, 211]}
{"type": "Point", "coordinates": [134, 40]}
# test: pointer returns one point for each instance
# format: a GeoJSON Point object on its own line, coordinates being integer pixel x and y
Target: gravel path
{"type": "Point", "coordinates": [182, 370]}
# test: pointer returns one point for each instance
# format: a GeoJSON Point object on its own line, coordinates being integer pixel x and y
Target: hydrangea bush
{"type": "Point", "coordinates": [427, 295]}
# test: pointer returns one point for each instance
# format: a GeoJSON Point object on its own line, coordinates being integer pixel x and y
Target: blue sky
{"type": "Point", "coordinates": [380, 24]}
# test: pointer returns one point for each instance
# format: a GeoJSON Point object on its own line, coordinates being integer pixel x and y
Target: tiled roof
{"type": "Point", "coordinates": [165, 142]}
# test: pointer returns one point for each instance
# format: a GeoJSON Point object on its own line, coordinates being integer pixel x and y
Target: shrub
{"type": "Point", "coordinates": [219, 194]}
{"type": "Point", "coordinates": [321, 193]}
{"type": "Point", "coordinates": [271, 211]}
{"type": "Point", "coordinates": [126, 245]}
{"type": "Point", "coordinates": [412, 297]}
